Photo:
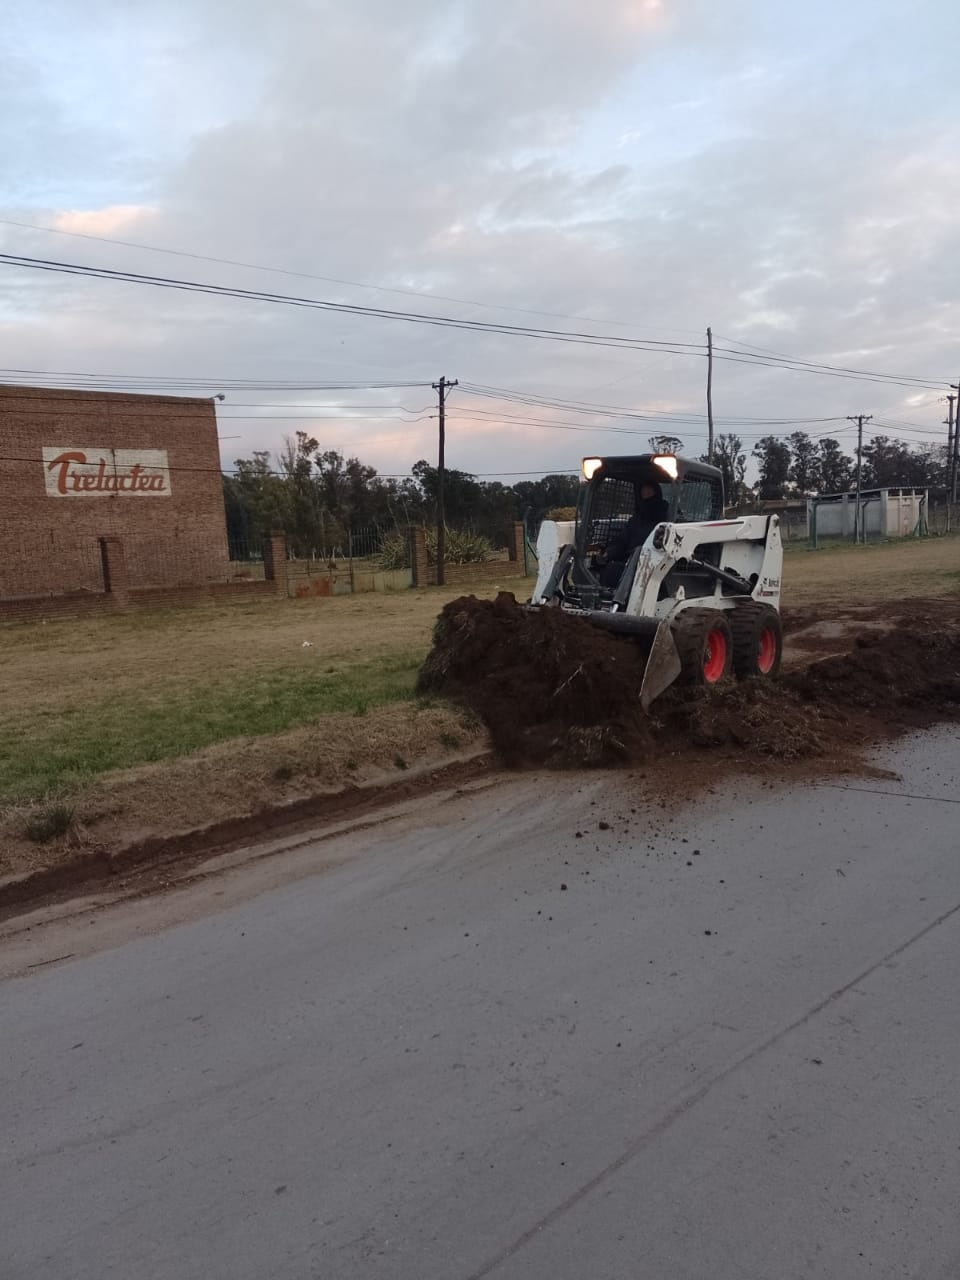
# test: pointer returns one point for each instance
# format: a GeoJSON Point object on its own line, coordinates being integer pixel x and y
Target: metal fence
{"type": "Point", "coordinates": [943, 517]}
{"type": "Point", "coordinates": [245, 547]}
{"type": "Point", "coordinates": [872, 516]}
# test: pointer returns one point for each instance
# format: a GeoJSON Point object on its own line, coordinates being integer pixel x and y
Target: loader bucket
{"type": "Point", "coordinates": [663, 665]}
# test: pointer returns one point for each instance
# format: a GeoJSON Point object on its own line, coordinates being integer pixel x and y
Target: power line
{"type": "Point", "coordinates": [278, 473]}
{"type": "Point", "coordinates": [124, 382]}
{"type": "Point", "coordinates": [584, 406]}
{"type": "Point", "coordinates": [312, 412]}
{"type": "Point", "coordinates": [474, 326]}
{"type": "Point", "coordinates": [427, 295]}
{"type": "Point", "coordinates": [490, 417]}
{"type": "Point", "coordinates": [784, 360]}
{"type": "Point", "coordinates": [763, 354]}
{"type": "Point", "coordinates": [345, 308]}
{"type": "Point", "coordinates": [826, 371]}
{"type": "Point", "coordinates": [551, 423]}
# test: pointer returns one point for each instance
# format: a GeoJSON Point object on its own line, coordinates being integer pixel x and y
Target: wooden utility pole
{"type": "Point", "coordinates": [950, 402]}
{"type": "Point", "coordinates": [953, 465]}
{"type": "Point", "coordinates": [860, 419]}
{"type": "Point", "coordinates": [951, 432]}
{"type": "Point", "coordinates": [709, 394]}
{"type": "Point", "coordinates": [441, 389]}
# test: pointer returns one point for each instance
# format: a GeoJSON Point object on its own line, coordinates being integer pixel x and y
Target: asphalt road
{"type": "Point", "coordinates": [730, 1048]}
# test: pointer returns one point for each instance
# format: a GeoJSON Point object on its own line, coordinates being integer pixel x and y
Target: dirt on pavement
{"type": "Point", "coordinates": [553, 690]}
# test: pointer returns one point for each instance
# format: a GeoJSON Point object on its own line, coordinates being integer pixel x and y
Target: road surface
{"type": "Point", "coordinates": [727, 1049]}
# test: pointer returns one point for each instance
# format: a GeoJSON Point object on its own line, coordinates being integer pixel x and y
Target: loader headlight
{"type": "Point", "coordinates": [668, 463]}
{"type": "Point", "coordinates": [590, 467]}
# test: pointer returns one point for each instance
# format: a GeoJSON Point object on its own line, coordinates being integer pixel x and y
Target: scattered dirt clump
{"type": "Point", "coordinates": [553, 690]}
{"type": "Point", "coordinates": [758, 718]}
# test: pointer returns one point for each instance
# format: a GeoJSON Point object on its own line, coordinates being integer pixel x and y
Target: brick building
{"type": "Point", "coordinates": [77, 467]}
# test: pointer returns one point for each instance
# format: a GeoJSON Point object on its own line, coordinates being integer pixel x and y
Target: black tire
{"type": "Point", "coordinates": [757, 642]}
{"type": "Point", "coordinates": [696, 632]}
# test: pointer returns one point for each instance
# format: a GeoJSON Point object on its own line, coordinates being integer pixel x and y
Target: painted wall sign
{"type": "Point", "coordinates": [105, 473]}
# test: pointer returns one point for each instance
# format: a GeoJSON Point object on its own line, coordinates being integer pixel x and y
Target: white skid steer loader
{"type": "Point", "coordinates": [651, 556]}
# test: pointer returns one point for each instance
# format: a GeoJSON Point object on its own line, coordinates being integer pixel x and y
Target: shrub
{"type": "Point", "coordinates": [48, 823]}
{"type": "Point", "coordinates": [395, 553]}
{"type": "Point", "coordinates": [461, 547]}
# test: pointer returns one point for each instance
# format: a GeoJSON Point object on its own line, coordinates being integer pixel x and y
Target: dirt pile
{"type": "Point", "coordinates": [552, 690]}
{"type": "Point", "coordinates": [548, 688]}
{"type": "Point", "coordinates": [903, 670]}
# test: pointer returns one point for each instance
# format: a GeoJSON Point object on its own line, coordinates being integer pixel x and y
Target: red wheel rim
{"type": "Point", "coordinates": [714, 656]}
{"type": "Point", "coordinates": [767, 651]}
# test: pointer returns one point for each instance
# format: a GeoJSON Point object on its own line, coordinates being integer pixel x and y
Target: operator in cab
{"type": "Point", "coordinates": [652, 509]}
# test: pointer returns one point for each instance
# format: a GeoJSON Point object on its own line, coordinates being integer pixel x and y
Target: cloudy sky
{"type": "Point", "coordinates": [787, 173]}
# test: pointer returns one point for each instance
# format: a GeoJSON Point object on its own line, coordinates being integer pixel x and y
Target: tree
{"type": "Point", "coordinates": [665, 444]}
{"type": "Point", "coordinates": [728, 455]}
{"type": "Point", "coordinates": [773, 463]}
{"type": "Point", "coordinates": [351, 492]}
{"type": "Point", "coordinates": [462, 494]}
{"type": "Point", "coordinates": [886, 463]}
{"type": "Point", "coordinates": [804, 463]}
{"type": "Point", "coordinates": [928, 466]}
{"type": "Point", "coordinates": [261, 493]}
{"type": "Point", "coordinates": [400, 502]}
{"type": "Point", "coordinates": [304, 527]}
{"type": "Point", "coordinates": [540, 496]}
{"type": "Point", "coordinates": [834, 466]}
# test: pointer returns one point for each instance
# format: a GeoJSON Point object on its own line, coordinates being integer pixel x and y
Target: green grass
{"type": "Point", "coordinates": [44, 756]}
{"type": "Point", "coordinates": [801, 545]}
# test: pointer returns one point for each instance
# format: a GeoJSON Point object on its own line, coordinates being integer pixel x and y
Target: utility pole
{"type": "Point", "coordinates": [441, 389]}
{"type": "Point", "coordinates": [859, 419]}
{"type": "Point", "coordinates": [954, 461]}
{"type": "Point", "coordinates": [709, 394]}
{"type": "Point", "coordinates": [950, 420]}
{"type": "Point", "coordinates": [951, 432]}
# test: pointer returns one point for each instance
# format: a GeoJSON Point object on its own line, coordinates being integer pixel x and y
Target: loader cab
{"type": "Point", "coordinates": [610, 496]}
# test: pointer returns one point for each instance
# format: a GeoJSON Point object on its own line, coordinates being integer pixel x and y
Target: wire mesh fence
{"type": "Point", "coordinates": [943, 517]}
{"type": "Point", "coordinates": [244, 547]}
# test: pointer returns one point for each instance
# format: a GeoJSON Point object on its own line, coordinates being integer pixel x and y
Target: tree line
{"type": "Point", "coordinates": [318, 497]}
{"type": "Point", "coordinates": [799, 465]}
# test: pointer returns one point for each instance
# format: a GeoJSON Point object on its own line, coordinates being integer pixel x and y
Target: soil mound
{"type": "Point", "coordinates": [554, 690]}
{"type": "Point", "coordinates": [904, 669]}
{"type": "Point", "coordinates": [548, 688]}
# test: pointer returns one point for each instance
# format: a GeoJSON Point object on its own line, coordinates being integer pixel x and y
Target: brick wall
{"type": "Point", "coordinates": [51, 544]}
{"type": "Point", "coordinates": [490, 571]}
{"type": "Point", "coordinates": [83, 604]}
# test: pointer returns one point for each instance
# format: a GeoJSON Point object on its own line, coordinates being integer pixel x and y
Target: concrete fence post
{"type": "Point", "coordinates": [275, 561]}
{"type": "Point", "coordinates": [515, 550]}
{"type": "Point", "coordinates": [418, 556]}
{"type": "Point", "coordinates": [114, 562]}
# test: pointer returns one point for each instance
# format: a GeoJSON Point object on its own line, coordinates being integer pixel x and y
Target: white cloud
{"type": "Point", "coordinates": [114, 220]}
{"type": "Point", "coordinates": [470, 148]}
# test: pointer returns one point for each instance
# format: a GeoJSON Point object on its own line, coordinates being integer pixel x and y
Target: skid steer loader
{"type": "Point", "coordinates": [652, 557]}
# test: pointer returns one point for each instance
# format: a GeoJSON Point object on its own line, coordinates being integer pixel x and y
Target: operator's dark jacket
{"type": "Point", "coordinates": [650, 512]}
